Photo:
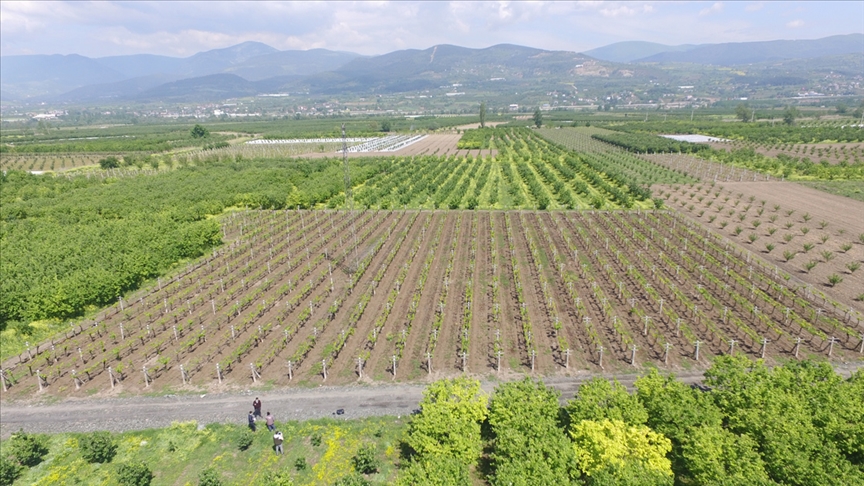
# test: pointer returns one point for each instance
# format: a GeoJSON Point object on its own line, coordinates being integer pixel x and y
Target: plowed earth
{"type": "Point", "coordinates": [319, 297]}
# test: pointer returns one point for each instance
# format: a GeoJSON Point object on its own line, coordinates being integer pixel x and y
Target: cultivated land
{"type": "Point", "coordinates": [328, 291]}
{"type": "Point", "coordinates": [786, 224]}
{"type": "Point", "coordinates": [833, 153]}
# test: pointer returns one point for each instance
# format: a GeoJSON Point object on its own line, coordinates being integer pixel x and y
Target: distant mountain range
{"type": "Point", "coordinates": [731, 53]}
{"type": "Point", "coordinates": [254, 68]}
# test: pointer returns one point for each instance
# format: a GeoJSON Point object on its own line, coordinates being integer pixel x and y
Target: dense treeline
{"type": "Point", "coordinates": [800, 424]}
{"type": "Point", "coordinates": [644, 143]}
{"type": "Point", "coordinates": [755, 132]}
{"type": "Point", "coordinates": [68, 244]}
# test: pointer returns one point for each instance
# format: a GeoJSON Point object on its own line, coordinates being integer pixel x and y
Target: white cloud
{"type": "Point", "coordinates": [755, 7]}
{"type": "Point", "coordinates": [713, 9]}
{"type": "Point", "coordinates": [795, 24]}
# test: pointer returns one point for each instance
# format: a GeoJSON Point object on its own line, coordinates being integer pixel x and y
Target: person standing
{"type": "Point", "coordinates": [271, 423]}
{"type": "Point", "coordinates": [256, 405]}
{"type": "Point", "coordinates": [277, 442]}
{"type": "Point", "coordinates": [251, 419]}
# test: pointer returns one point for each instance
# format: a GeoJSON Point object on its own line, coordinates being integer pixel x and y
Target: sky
{"type": "Point", "coordinates": [180, 29]}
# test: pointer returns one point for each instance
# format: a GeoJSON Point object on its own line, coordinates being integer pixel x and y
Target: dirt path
{"type": "Point", "coordinates": [125, 414]}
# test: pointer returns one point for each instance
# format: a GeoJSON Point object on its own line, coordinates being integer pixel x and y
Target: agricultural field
{"type": "Point", "coordinates": [805, 232]}
{"type": "Point", "coordinates": [52, 162]}
{"type": "Point", "coordinates": [832, 153]}
{"type": "Point", "coordinates": [312, 297]}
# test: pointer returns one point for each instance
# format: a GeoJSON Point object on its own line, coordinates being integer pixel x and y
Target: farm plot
{"type": "Point", "coordinates": [527, 171]}
{"type": "Point", "coordinates": [815, 237]}
{"type": "Point", "coordinates": [635, 168]}
{"type": "Point", "coordinates": [52, 162]}
{"type": "Point", "coordinates": [309, 297]}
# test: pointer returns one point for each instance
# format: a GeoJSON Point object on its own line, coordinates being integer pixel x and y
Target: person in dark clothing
{"type": "Point", "coordinates": [251, 422]}
{"type": "Point", "coordinates": [256, 405]}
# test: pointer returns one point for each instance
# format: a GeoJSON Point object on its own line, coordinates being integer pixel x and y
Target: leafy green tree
{"type": "Point", "coordinates": [435, 471]}
{"type": "Point", "coordinates": [794, 414]}
{"type": "Point", "coordinates": [790, 113]}
{"type": "Point", "coordinates": [530, 448]}
{"type": "Point", "coordinates": [26, 449]}
{"type": "Point", "coordinates": [386, 126]}
{"type": "Point", "coordinates": [110, 162]}
{"type": "Point", "coordinates": [134, 474]}
{"type": "Point", "coordinates": [538, 118]}
{"type": "Point", "coordinates": [482, 114]}
{"type": "Point", "coordinates": [743, 112]}
{"type": "Point", "coordinates": [603, 399]}
{"type": "Point", "coordinates": [611, 446]}
{"type": "Point", "coordinates": [97, 447]}
{"type": "Point", "coordinates": [449, 420]}
{"type": "Point", "coordinates": [199, 132]}
{"type": "Point", "coordinates": [675, 410]}
{"type": "Point", "coordinates": [715, 456]}
{"type": "Point", "coordinates": [841, 108]}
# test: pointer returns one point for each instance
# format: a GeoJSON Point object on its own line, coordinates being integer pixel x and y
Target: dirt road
{"type": "Point", "coordinates": [137, 413]}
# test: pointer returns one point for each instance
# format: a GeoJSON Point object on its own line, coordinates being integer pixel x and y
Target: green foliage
{"type": "Point", "coordinates": [244, 439]}
{"type": "Point", "coordinates": [386, 126]}
{"type": "Point", "coordinates": [300, 464]}
{"type": "Point", "coordinates": [435, 471]}
{"type": "Point", "coordinates": [97, 447]}
{"type": "Point", "coordinates": [482, 114]}
{"type": "Point", "coordinates": [743, 112]}
{"type": "Point", "coordinates": [478, 138]}
{"type": "Point", "coordinates": [199, 132]}
{"type": "Point", "coordinates": [601, 399]}
{"type": "Point", "coordinates": [315, 440]}
{"type": "Point", "coordinates": [449, 421]}
{"type": "Point", "coordinates": [366, 460]}
{"type": "Point", "coordinates": [537, 118]}
{"type": "Point", "coordinates": [209, 477]}
{"type": "Point", "coordinates": [26, 449]}
{"type": "Point", "coordinates": [631, 473]}
{"type": "Point", "coordinates": [9, 471]}
{"type": "Point", "coordinates": [110, 162]}
{"type": "Point", "coordinates": [354, 479]}
{"type": "Point", "coordinates": [806, 420]}
{"type": "Point", "coordinates": [134, 474]}
{"type": "Point", "coordinates": [529, 446]}
{"type": "Point", "coordinates": [648, 144]}
{"type": "Point", "coordinates": [715, 456]}
{"type": "Point", "coordinates": [612, 445]}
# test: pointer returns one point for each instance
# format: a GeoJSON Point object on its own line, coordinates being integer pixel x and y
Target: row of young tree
{"type": "Point", "coordinates": [798, 424]}
{"type": "Point", "coordinates": [644, 143]}
{"type": "Point", "coordinates": [73, 243]}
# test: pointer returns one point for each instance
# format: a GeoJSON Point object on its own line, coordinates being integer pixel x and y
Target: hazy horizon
{"type": "Point", "coordinates": [180, 29]}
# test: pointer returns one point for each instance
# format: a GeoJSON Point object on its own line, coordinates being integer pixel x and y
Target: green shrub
{"type": "Point", "coordinates": [354, 479]}
{"type": "Point", "coordinates": [244, 439]}
{"type": "Point", "coordinates": [300, 464]}
{"type": "Point", "coordinates": [365, 461]}
{"type": "Point", "coordinates": [27, 449]}
{"type": "Point", "coordinates": [97, 447]}
{"type": "Point", "coordinates": [315, 439]}
{"type": "Point", "coordinates": [209, 477]}
{"type": "Point", "coordinates": [134, 474]}
{"type": "Point", "coordinates": [9, 471]}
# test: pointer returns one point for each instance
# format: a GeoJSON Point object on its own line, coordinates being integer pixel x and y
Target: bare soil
{"type": "Point", "coordinates": [810, 209]}
{"type": "Point", "coordinates": [614, 281]}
